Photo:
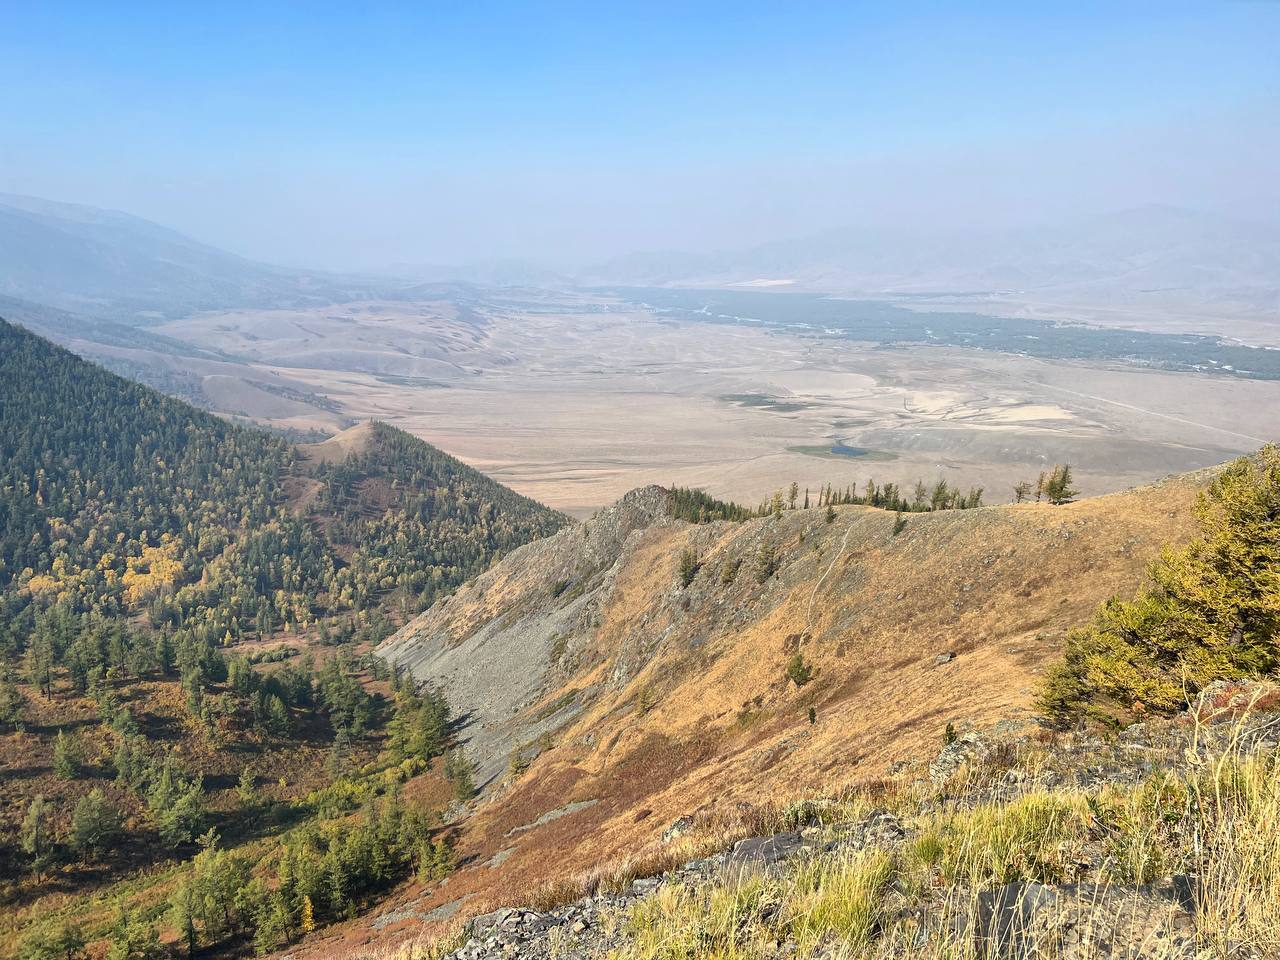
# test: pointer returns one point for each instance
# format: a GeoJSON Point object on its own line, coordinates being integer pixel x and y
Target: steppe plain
{"type": "Point", "coordinates": [576, 398]}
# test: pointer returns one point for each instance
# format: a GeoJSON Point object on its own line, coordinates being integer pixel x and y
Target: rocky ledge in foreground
{"type": "Point", "coordinates": [1074, 884]}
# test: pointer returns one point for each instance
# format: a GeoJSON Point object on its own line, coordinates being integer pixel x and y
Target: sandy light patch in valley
{"type": "Point", "coordinates": [575, 401]}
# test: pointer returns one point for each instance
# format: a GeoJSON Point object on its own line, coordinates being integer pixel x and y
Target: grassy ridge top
{"type": "Point", "coordinates": [668, 668]}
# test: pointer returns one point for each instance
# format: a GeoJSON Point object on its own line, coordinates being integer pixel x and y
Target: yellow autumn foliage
{"type": "Point", "coordinates": [43, 585]}
{"type": "Point", "coordinates": [153, 571]}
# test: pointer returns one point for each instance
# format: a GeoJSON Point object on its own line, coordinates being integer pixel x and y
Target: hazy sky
{"type": "Point", "coordinates": [355, 135]}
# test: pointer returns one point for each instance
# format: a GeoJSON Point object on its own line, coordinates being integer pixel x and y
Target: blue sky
{"type": "Point", "coordinates": [346, 135]}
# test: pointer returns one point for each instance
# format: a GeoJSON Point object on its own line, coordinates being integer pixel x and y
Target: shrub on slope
{"type": "Point", "coordinates": [1212, 611]}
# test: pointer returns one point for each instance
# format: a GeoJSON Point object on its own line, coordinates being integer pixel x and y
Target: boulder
{"type": "Point", "coordinates": [966, 748]}
{"type": "Point", "coordinates": [1028, 921]}
{"type": "Point", "coordinates": [766, 851]}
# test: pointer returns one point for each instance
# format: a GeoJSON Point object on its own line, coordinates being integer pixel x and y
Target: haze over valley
{"type": "Point", "coordinates": [575, 393]}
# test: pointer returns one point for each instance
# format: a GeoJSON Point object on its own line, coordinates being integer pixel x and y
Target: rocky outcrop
{"type": "Point", "coordinates": [502, 642]}
{"type": "Point", "coordinates": [1093, 918]}
{"type": "Point", "coordinates": [567, 623]}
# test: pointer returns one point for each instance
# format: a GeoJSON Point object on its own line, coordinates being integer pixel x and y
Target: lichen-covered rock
{"type": "Point", "coordinates": [967, 748]}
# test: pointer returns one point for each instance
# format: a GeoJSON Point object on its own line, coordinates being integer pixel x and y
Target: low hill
{"type": "Point", "coordinates": [606, 698]}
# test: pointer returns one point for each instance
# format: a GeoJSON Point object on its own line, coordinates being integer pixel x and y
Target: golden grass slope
{"type": "Point", "coordinates": [660, 701]}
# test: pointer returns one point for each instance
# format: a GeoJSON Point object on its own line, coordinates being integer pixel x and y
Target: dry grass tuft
{"type": "Point", "coordinates": [1218, 822]}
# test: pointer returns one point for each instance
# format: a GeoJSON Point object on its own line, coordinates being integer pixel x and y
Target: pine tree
{"type": "Point", "coordinates": [183, 912]}
{"type": "Point", "coordinates": [729, 571]}
{"type": "Point", "coordinates": [1058, 489]}
{"type": "Point", "coordinates": [12, 705]}
{"type": "Point", "coordinates": [689, 566]}
{"type": "Point", "coordinates": [56, 940]}
{"type": "Point", "coordinates": [831, 514]}
{"type": "Point", "coordinates": [278, 720]}
{"type": "Point", "coordinates": [40, 656]}
{"type": "Point", "coordinates": [1212, 612]}
{"type": "Point", "coordinates": [66, 757]}
{"type": "Point", "coordinates": [940, 496]}
{"type": "Point", "coordinates": [766, 561]}
{"type": "Point", "coordinates": [460, 772]}
{"type": "Point", "coordinates": [95, 824]}
{"type": "Point", "coordinates": [335, 881]}
{"type": "Point", "coordinates": [129, 760]}
{"type": "Point", "coordinates": [920, 497]}
{"type": "Point", "coordinates": [246, 789]}
{"type": "Point", "coordinates": [176, 804]}
{"type": "Point", "coordinates": [431, 727]}
{"type": "Point", "coordinates": [339, 760]}
{"type": "Point", "coordinates": [274, 923]}
{"type": "Point", "coordinates": [799, 672]}
{"type": "Point", "coordinates": [37, 835]}
{"type": "Point", "coordinates": [134, 938]}
{"type": "Point", "coordinates": [219, 878]}
{"type": "Point", "coordinates": [435, 859]}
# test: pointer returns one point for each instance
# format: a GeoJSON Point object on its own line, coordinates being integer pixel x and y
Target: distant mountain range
{"type": "Point", "coordinates": [114, 266]}
{"type": "Point", "coordinates": [1134, 266]}
{"type": "Point", "coordinates": [1156, 254]}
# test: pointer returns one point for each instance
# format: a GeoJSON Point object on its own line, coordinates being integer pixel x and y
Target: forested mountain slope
{"type": "Point", "coordinates": [186, 695]}
{"type": "Point", "coordinates": [118, 500]}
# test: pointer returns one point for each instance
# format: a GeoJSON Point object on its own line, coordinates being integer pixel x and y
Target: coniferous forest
{"type": "Point", "coordinates": [120, 502]}
{"type": "Point", "coordinates": [187, 610]}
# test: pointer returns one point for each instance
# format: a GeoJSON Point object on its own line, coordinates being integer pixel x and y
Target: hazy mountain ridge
{"type": "Point", "coordinates": [118, 266]}
{"type": "Point", "coordinates": [111, 265]}
{"type": "Point", "coordinates": [1152, 257]}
